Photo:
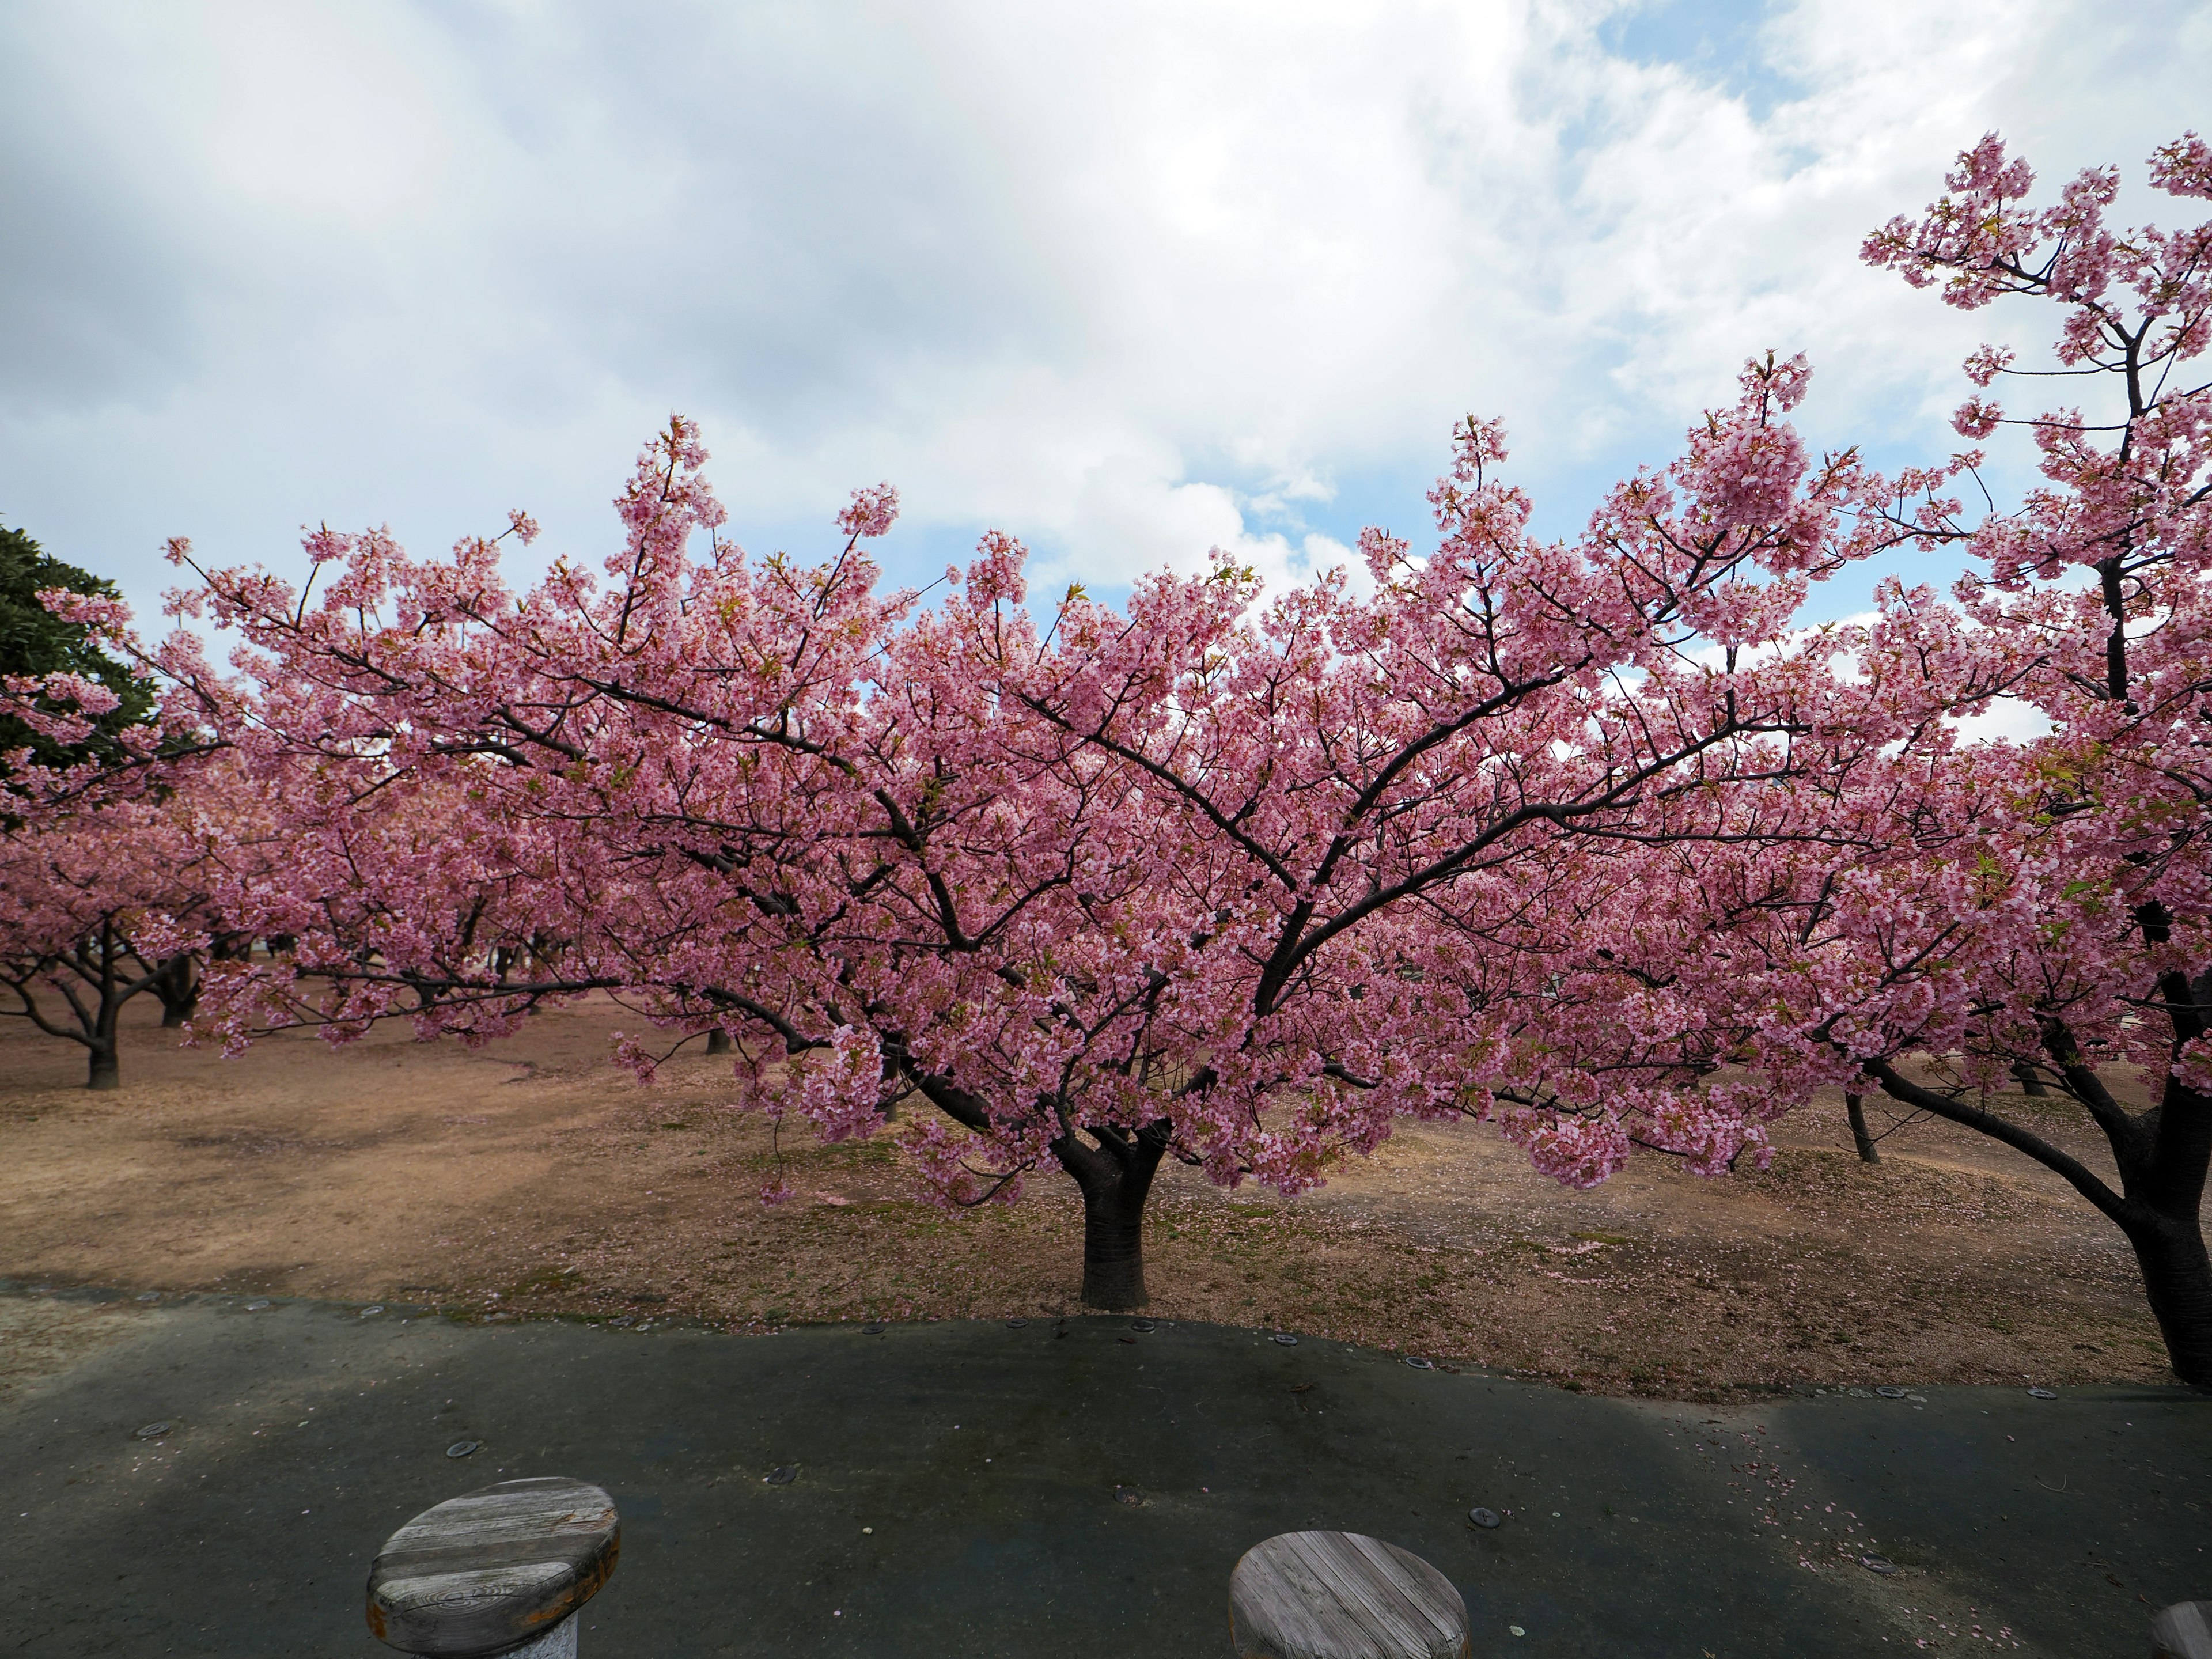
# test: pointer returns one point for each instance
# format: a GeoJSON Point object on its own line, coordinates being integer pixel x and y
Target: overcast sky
{"type": "Point", "coordinates": [1126, 281]}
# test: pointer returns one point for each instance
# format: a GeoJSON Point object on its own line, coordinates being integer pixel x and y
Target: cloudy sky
{"type": "Point", "coordinates": [1128, 281]}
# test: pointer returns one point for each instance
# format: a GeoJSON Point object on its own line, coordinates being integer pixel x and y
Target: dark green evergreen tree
{"type": "Point", "coordinates": [35, 641]}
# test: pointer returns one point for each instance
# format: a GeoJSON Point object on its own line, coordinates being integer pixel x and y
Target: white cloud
{"type": "Point", "coordinates": [2004, 720]}
{"type": "Point", "coordinates": [1126, 282]}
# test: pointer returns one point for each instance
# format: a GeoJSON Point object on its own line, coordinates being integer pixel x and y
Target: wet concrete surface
{"type": "Point", "coordinates": [955, 1491]}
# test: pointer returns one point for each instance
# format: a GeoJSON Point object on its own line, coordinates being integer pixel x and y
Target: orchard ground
{"type": "Point", "coordinates": [533, 1177]}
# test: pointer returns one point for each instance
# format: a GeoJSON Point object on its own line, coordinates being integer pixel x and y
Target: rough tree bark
{"type": "Point", "coordinates": [2178, 1280]}
{"type": "Point", "coordinates": [1112, 1167]}
{"type": "Point", "coordinates": [106, 1070]}
{"type": "Point", "coordinates": [1116, 1177]}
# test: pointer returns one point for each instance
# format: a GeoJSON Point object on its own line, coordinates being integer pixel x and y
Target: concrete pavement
{"type": "Point", "coordinates": [955, 1491]}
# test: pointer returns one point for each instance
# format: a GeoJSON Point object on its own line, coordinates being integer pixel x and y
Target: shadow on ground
{"type": "Point", "coordinates": [957, 1485]}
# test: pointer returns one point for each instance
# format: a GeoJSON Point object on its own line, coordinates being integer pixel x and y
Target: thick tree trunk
{"type": "Point", "coordinates": [2164, 1157]}
{"type": "Point", "coordinates": [2030, 1084]}
{"type": "Point", "coordinates": [105, 1072]}
{"type": "Point", "coordinates": [1113, 1168]}
{"type": "Point", "coordinates": [1855, 1109]}
{"type": "Point", "coordinates": [1113, 1249]}
{"type": "Point", "coordinates": [2177, 1279]}
{"type": "Point", "coordinates": [718, 1042]}
{"type": "Point", "coordinates": [1116, 1177]}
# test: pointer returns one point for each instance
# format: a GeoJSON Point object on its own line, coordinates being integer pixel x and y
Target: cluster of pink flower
{"type": "Point", "coordinates": [1592, 838]}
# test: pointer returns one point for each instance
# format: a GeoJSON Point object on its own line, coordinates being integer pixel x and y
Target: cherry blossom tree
{"type": "Point", "coordinates": [1104, 891]}
{"type": "Point", "coordinates": [1399, 795]}
{"type": "Point", "coordinates": [734, 792]}
{"type": "Point", "coordinates": [2094, 959]}
{"type": "Point", "coordinates": [1941, 919]}
{"type": "Point", "coordinates": [105, 844]}
{"type": "Point", "coordinates": [97, 906]}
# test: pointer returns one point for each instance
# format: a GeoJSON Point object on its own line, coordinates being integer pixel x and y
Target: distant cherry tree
{"type": "Point", "coordinates": [97, 906]}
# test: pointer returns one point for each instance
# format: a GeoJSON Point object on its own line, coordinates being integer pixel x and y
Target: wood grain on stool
{"type": "Point", "coordinates": [1339, 1595]}
{"type": "Point", "coordinates": [492, 1569]}
{"type": "Point", "coordinates": [2183, 1631]}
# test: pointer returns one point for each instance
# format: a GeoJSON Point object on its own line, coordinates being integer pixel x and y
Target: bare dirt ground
{"type": "Point", "coordinates": [534, 1178]}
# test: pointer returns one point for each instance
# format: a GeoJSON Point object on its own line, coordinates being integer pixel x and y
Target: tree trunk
{"type": "Point", "coordinates": [177, 985]}
{"type": "Point", "coordinates": [718, 1042]}
{"type": "Point", "coordinates": [1116, 1177]}
{"type": "Point", "coordinates": [2030, 1084]}
{"type": "Point", "coordinates": [2177, 1279]}
{"type": "Point", "coordinates": [1855, 1108]}
{"type": "Point", "coordinates": [1112, 1167]}
{"type": "Point", "coordinates": [2163, 1155]}
{"type": "Point", "coordinates": [1113, 1249]}
{"type": "Point", "coordinates": [105, 1072]}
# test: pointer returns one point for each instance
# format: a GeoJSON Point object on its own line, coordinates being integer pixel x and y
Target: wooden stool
{"type": "Point", "coordinates": [1339, 1595]}
{"type": "Point", "coordinates": [2183, 1631]}
{"type": "Point", "coordinates": [500, 1571]}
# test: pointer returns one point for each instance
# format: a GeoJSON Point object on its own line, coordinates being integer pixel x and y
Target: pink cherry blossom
{"type": "Point", "coordinates": [872, 514]}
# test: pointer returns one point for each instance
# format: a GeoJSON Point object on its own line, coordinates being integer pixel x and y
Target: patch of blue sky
{"type": "Point", "coordinates": [1391, 492]}
{"type": "Point", "coordinates": [1718, 42]}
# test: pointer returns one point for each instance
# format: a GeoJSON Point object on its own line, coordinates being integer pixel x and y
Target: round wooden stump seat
{"type": "Point", "coordinates": [1340, 1595]}
{"type": "Point", "coordinates": [2183, 1631]}
{"type": "Point", "coordinates": [489, 1571]}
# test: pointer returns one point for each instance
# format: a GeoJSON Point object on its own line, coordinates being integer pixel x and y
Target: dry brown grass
{"type": "Point", "coordinates": [534, 1178]}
